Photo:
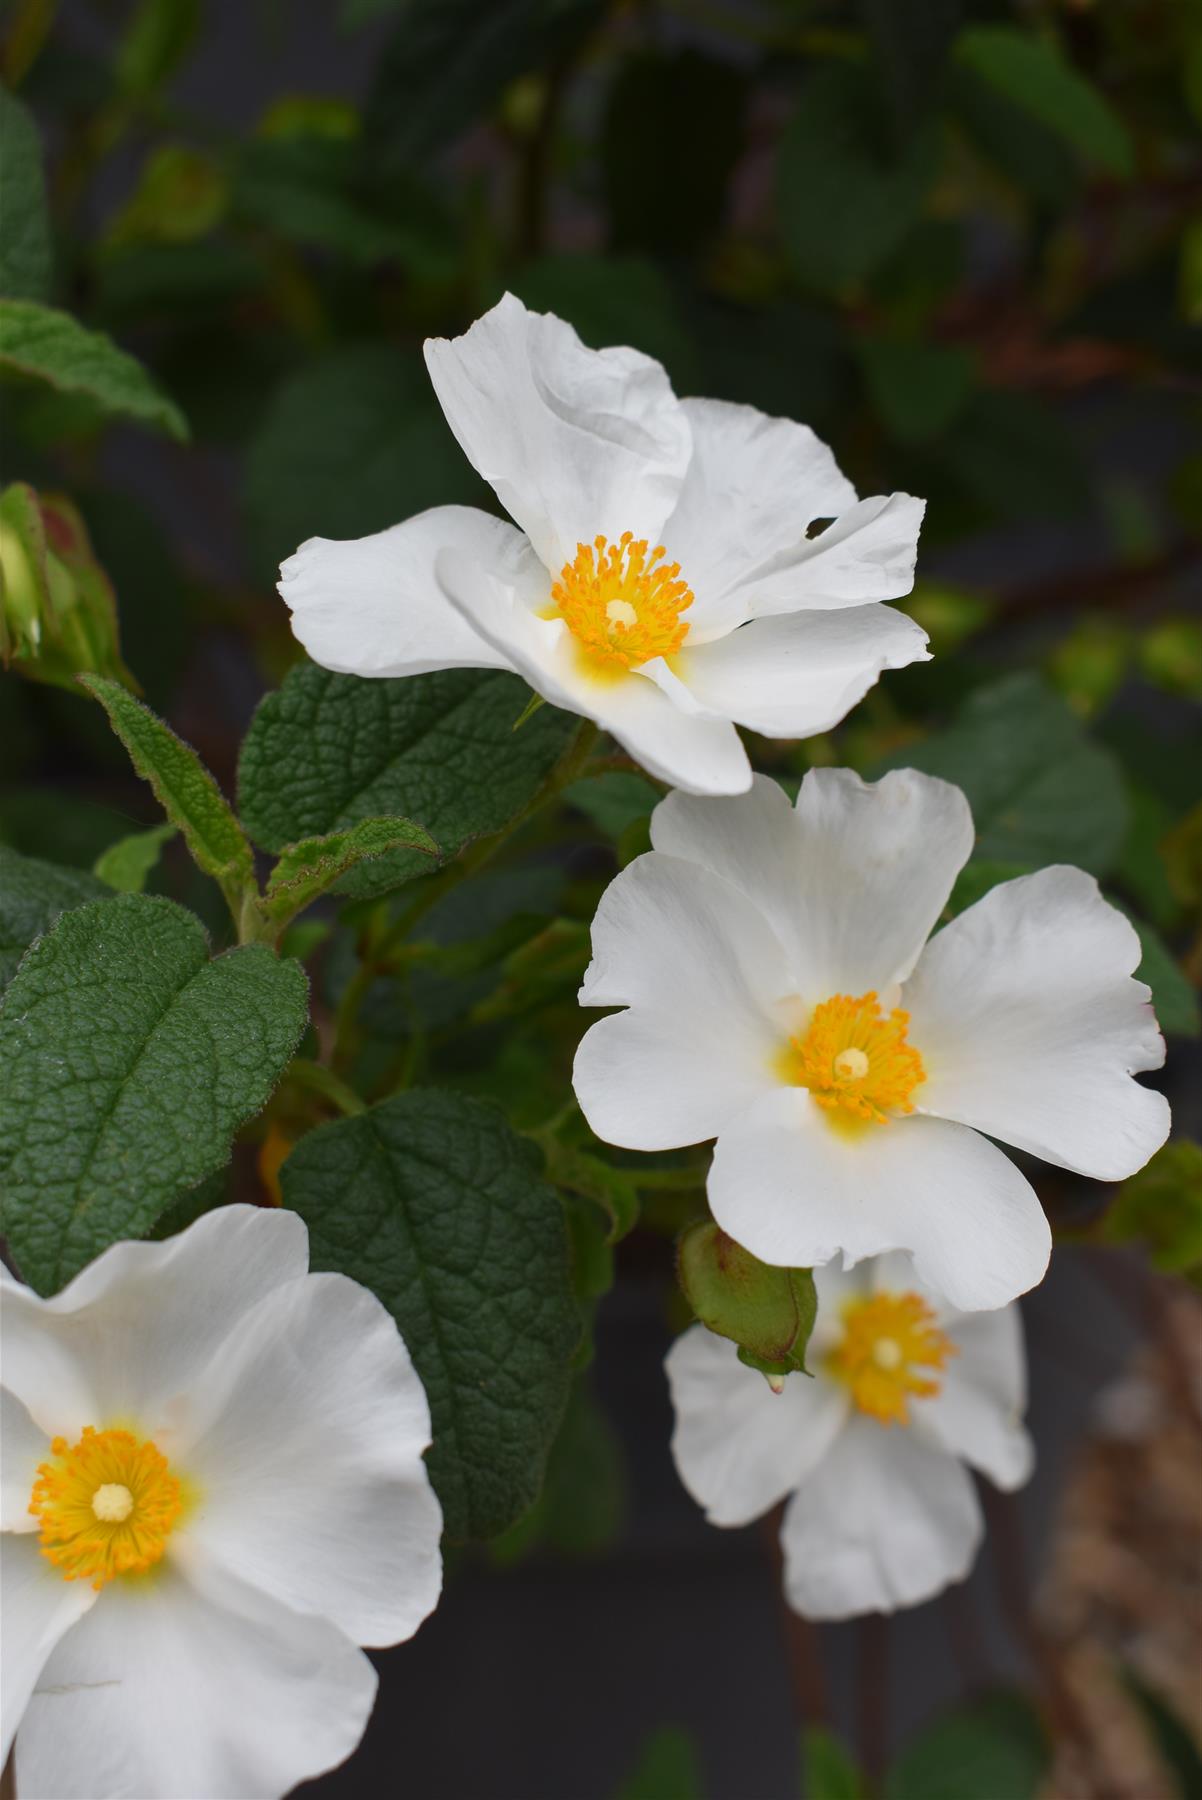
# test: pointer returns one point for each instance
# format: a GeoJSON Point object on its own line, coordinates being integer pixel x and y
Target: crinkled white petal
{"type": "Point", "coordinates": [575, 442]}
{"type": "Point", "coordinates": [176, 1688]}
{"type": "Point", "coordinates": [884, 1521]}
{"type": "Point", "coordinates": [372, 606]}
{"type": "Point", "coordinates": [698, 752]}
{"type": "Point", "coordinates": [753, 487]}
{"type": "Point", "coordinates": [701, 972]}
{"type": "Point", "coordinates": [1030, 1026]}
{"type": "Point", "coordinates": [738, 1447]}
{"type": "Point", "coordinates": [851, 884]}
{"type": "Point", "coordinates": [978, 1412]}
{"type": "Point", "coordinates": [306, 1445]}
{"type": "Point", "coordinates": [23, 1445]}
{"type": "Point", "coordinates": [796, 1190]}
{"type": "Point", "coordinates": [137, 1327]}
{"type": "Point", "coordinates": [38, 1608]}
{"type": "Point", "coordinates": [868, 553]}
{"type": "Point", "coordinates": [799, 674]}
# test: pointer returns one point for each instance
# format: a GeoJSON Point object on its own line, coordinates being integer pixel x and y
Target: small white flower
{"type": "Point", "coordinates": [213, 1491]}
{"type": "Point", "coordinates": [662, 581]}
{"type": "Point", "coordinates": [782, 1001]}
{"type": "Point", "coordinates": [871, 1450]}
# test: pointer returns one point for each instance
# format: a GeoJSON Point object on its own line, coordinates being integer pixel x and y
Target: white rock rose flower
{"type": "Point", "coordinates": [871, 1451]}
{"type": "Point", "coordinates": [783, 998]}
{"type": "Point", "coordinates": [660, 577]}
{"type": "Point", "coordinates": [213, 1492]}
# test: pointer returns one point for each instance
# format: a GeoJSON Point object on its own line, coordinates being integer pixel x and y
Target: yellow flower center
{"type": "Point", "coordinates": [855, 1058]}
{"type": "Point", "coordinates": [107, 1505]}
{"type": "Point", "coordinates": [621, 603]}
{"type": "Point", "coordinates": [886, 1339]}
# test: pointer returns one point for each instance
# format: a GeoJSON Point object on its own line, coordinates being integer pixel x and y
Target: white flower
{"type": "Point", "coordinates": [871, 1450]}
{"type": "Point", "coordinates": [781, 1000]}
{"type": "Point", "coordinates": [213, 1491]}
{"type": "Point", "coordinates": [662, 581]}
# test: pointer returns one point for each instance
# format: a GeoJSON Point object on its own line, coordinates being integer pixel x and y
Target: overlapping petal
{"type": "Point", "coordinates": [868, 553]}
{"type": "Point", "coordinates": [39, 1608]}
{"type": "Point", "coordinates": [977, 1413]}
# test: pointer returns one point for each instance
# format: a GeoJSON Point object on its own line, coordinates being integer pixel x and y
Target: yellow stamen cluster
{"type": "Point", "coordinates": [107, 1505]}
{"type": "Point", "coordinates": [621, 603]}
{"type": "Point", "coordinates": [856, 1058]}
{"type": "Point", "coordinates": [886, 1339]}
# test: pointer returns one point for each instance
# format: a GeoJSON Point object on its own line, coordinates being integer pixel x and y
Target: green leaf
{"type": "Point", "coordinates": [846, 196]}
{"type": "Point", "coordinates": [1171, 1735]}
{"type": "Point", "coordinates": [609, 300]}
{"type": "Point", "coordinates": [669, 1768]}
{"type": "Point", "coordinates": [126, 864]}
{"type": "Point", "coordinates": [326, 751]}
{"type": "Point", "coordinates": [1031, 74]}
{"type": "Point", "coordinates": [992, 1749]}
{"type": "Point", "coordinates": [827, 1769]}
{"type": "Point", "coordinates": [306, 870]}
{"type": "Point", "coordinates": [1040, 790]}
{"type": "Point", "coordinates": [769, 1312]}
{"type": "Point", "coordinates": [1173, 997]}
{"type": "Point", "coordinates": [130, 1059]}
{"type": "Point", "coordinates": [614, 800]}
{"type": "Point", "coordinates": [1161, 1207]}
{"type": "Point", "coordinates": [580, 1509]}
{"type": "Point", "coordinates": [53, 347]}
{"type": "Point", "coordinates": [1035, 159]}
{"type": "Point", "coordinates": [918, 389]}
{"type": "Point", "coordinates": [184, 789]}
{"type": "Point", "coordinates": [436, 1205]}
{"type": "Point", "coordinates": [26, 255]}
{"type": "Point", "coordinates": [1015, 458]}
{"type": "Point", "coordinates": [32, 895]}
{"type": "Point", "coordinates": [614, 1190]}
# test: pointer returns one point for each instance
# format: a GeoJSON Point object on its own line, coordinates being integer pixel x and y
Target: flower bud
{"type": "Point", "coordinates": [58, 614]}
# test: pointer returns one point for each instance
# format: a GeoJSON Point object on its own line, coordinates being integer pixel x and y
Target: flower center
{"type": "Point", "coordinates": [886, 1340]}
{"type": "Point", "coordinates": [855, 1058]}
{"type": "Point", "coordinates": [107, 1505]}
{"type": "Point", "coordinates": [621, 603]}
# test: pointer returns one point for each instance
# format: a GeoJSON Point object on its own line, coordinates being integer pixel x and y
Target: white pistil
{"type": "Point", "coordinates": [113, 1502]}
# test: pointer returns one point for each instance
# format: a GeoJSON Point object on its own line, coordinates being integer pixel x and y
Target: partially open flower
{"type": "Point", "coordinates": [680, 564]}
{"type": "Point", "coordinates": [213, 1492]}
{"type": "Point", "coordinates": [871, 1452]}
{"type": "Point", "coordinates": [782, 997]}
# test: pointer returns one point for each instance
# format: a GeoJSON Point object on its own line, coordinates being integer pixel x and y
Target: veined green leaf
{"type": "Point", "coordinates": [51, 346]}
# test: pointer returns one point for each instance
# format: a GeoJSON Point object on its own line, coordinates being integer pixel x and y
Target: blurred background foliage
{"type": "Point", "coordinates": [962, 239]}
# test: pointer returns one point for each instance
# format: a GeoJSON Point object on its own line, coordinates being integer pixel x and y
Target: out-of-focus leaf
{"type": "Point", "coordinates": [827, 1769]}
{"type": "Point", "coordinates": [991, 1749]}
{"type": "Point", "coordinates": [918, 389]}
{"type": "Point", "coordinates": [846, 198]}
{"type": "Point", "coordinates": [51, 346]}
{"type": "Point", "coordinates": [1174, 999]}
{"type": "Point", "coordinates": [614, 1190]}
{"type": "Point", "coordinates": [786, 358]}
{"type": "Point", "coordinates": [910, 44]}
{"type": "Point", "coordinates": [1171, 1735]}
{"type": "Point", "coordinates": [32, 895]}
{"type": "Point", "coordinates": [1161, 1208]}
{"type": "Point", "coordinates": [613, 800]}
{"type": "Point", "coordinates": [1170, 654]}
{"type": "Point", "coordinates": [1015, 458]}
{"type": "Point", "coordinates": [1029, 72]}
{"type": "Point", "coordinates": [180, 196]}
{"type": "Point", "coordinates": [669, 1768]}
{"type": "Point", "coordinates": [1089, 664]}
{"type": "Point", "coordinates": [155, 41]}
{"type": "Point", "coordinates": [949, 616]}
{"type": "Point", "coordinates": [1029, 154]}
{"type": "Point", "coordinates": [126, 864]}
{"type": "Point", "coordinates": [175, 280]}
{"type": "Point", "coordinates": [26, 256]}
{"type": "Point", "coordinates": [610, 300]}
{"type": "Point", "coordinates": [673, 130]}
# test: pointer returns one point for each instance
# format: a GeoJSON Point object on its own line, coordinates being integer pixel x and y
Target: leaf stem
{"type": "Point", "coordinates": [318, 1079]}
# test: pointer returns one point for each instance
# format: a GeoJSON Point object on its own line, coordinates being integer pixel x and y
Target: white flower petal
{"type": "Point", "coordinates": [867, 554]}
{"type": "Point", "coordinates": [134, 1328]}
{"type": "Point", "coordinates": [797, 675]}
{"type": "Point", "coordinates": [39, 1607]}
{"type": "Point", "coordinates": [884, 1521]}
{"type": "Point", "coordinates": [738, 1447]}
{"type": "Point", "coordinates": [753, 487]}
{"type": "Point", "coordinates": [1030, 1027]}
{"type": "Point", "coordinates": [372, 606]}
{"type": "Point", "coordinates": [851, 885]}
{"type": "Point", "coordinates": [306, 1446]}
{"type": "Point", "coordinates": [795, 1190]}
{"type": "Point", "coordinates": [170, 1690]}
{"type": "Point", "coordinates": [977, 1413]}
{"type": "Point", "coordinates": [23, 1445]}
{"type": "Point", "coordinates": [575, 442]}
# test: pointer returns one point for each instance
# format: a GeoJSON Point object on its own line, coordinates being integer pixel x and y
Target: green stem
{"type": "Point", "coordinates": [319, 1080]}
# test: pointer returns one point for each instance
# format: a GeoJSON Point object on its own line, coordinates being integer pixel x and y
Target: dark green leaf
{"type": "Point", "coordinates": [993, 1749]}
{"type": "Point", "coordinates": [579, 1511]}
{"type": "Point", "coordinates": [1161, 1208]}
{"type": "Point", "coordinates": [53, 347]}
{"type": "Point", "coordinates": [1016, 458]}
{"type": "Point", "coordinates": [609, 300]}
{"type": "Point", "coordinates": [768, 1312]}
{"type": "Point", "coordinates": [827, 1769]}
{"type": "Point", "coordinates": [32, 895]}
{"type": "Point", "coordinates": [1172, 1736]}
{"type": "Point", "coordinates": [614, 800]}
{"type": "Point", "coordinates": [918, 389]}
{"type": "Point", "coordinates": [1040, 790]}
{"type": "Point", "coordinates": [183, 788]}
{"type": "Point", "coordinates": [1031, 74]}
{"type": "Point", "coordinates": [672, 133]}
{"type": "Point", "coordinates": [846, 196]}
{"type": "Point", "coordinates": [1173, 997]}
{"type": "Point", "coordinates": [329, 750]}
{"type": "Point", "coordinates": [126, 864]}
{"type": "Point", "coordinates": [306, 870]}
{"type": "Point", "coordinates": [130, 1059]}
{"type": "Point", "coordinates": [26, 256]}
{"type": "Point", "coordinates": [910, 43]}
{"type": "Point", "coordinates": [433, 1203]}
{"type": "Point", "coordinates": [614, 1190]}
{"type": "Point", "coordinates": [668, 1769]}
{"type": "Point", "coordinates": [1028, 154]}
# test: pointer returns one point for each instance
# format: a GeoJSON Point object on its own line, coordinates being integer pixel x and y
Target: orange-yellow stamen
{"type": "Point", "coordinates": [107, 1505]}
{"type": "Point", "coordinates": [856, 1058]}
{"type": "Point", "coordinates": [621, 603]}
{"type": "Point", "coordinates": [886, 1340]}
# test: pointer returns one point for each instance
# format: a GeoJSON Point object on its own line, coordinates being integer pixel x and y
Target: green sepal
{"type": "Point", "coordinates": [768, 1312]}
